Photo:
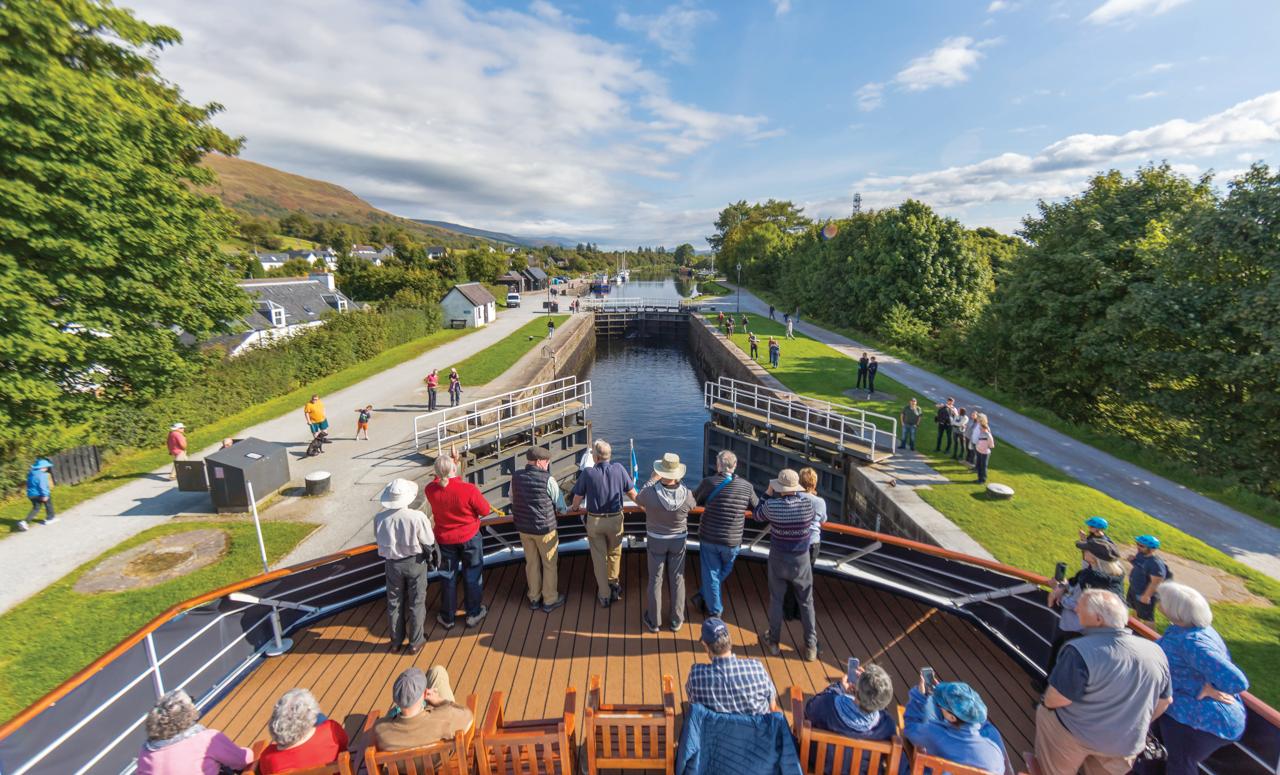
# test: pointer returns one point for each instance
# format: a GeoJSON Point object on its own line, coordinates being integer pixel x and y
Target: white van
{"type": "Point", "coordinates": [513, 300]}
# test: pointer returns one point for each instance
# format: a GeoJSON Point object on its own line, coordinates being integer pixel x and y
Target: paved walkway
{"type": "Point", "coordinates": [31, 561]}
{"type": "Point", "coordinates": [1248, 540]}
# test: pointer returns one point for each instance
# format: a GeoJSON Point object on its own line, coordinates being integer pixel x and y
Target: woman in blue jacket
{"type": "Point", "coordinates": [952, 723]}
{"type": "Point", "coordinates": [1207, 712]}
{"type": "Point", "coordinates": [40, 492]}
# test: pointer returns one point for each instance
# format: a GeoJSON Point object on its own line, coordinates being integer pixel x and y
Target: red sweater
{"type": "Point", "coordinates": [325, 744]}
{"type": "Point", "coordinates": [456, 509]}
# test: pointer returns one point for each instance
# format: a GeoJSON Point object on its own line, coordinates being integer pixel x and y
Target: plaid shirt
{"type": "Point", "coordinates": [731, 685]}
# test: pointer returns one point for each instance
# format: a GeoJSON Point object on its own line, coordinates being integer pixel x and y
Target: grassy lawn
{"type": "Point", "coordinates": [132, 464]}
{"type": "Point", "coordinates": [710, 288]}
{"type": "Point", "coordinates": [1038, 527]}
{"type": "Point", "coordinates": [46, 639]}
{"type": "Point", "coordinates": [489, 364]}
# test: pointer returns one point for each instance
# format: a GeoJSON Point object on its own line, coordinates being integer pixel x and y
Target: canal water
{"type": "Point", "coordinates": [647, 390]}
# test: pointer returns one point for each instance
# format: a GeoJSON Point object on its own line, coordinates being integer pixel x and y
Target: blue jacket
{"type": "Point", "coordinates": [730, 744]}
{"type": "Point", "coordinates": [39, 483]}
{"type": "Point", "coordinates": [834, 711]}
{"type": "Point", "coordinates": [977, 745]}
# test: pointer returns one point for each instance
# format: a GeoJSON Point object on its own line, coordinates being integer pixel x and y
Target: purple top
{"type": "Point", "coordinates": [199, 754]}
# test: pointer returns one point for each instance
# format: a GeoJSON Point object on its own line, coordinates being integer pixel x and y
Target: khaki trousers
{"type": "Point", "coordinates": [1059, 753]}
{"type": "Point", "coordinates": [604, 536]}
{"type": "Point", "coordinates": [540, 566]}
{"type": "Point", "coordinates": [438, 679]}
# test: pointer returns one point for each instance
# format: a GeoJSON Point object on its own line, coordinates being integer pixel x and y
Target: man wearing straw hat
{"type": "Point", "coordinates": [790, 516]}
{"type": "Point", "coordinates": [405, 540]}
{"type": "Point", "coordinates": [177, 445]}
{"type": "Point", "coordinates": [666, 504]}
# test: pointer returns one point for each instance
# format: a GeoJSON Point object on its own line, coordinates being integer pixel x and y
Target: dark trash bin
{"type": "Point", "coordinates": [262, 463]}
{"type": "Point", "coordinates": [191, 476]}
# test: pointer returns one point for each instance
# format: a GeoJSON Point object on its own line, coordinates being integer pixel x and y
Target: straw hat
{"type": "Point", "coordinates": [398, 494]}
{"type": "Point", "coordinates": [788, 481]}
{"type": "Point", "coordinates": [669, 467]}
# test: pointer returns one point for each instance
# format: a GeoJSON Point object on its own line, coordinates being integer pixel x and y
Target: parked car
{"type": "Point", "coordinates": [513, 300]}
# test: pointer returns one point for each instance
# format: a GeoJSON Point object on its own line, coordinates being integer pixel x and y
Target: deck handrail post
{"type": "Point", "coordinates": [156, 681]}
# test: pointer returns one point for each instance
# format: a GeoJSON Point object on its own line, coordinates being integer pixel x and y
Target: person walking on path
{"type": "Point", "coordinates": [535, 501]}
{"type": "Point", "coordinates": [791, 332]}
{"type": "Point", "coordinates": [551, 328]}
{"type": "Point", "coordinates": [982, 447]}
{"type": "Point", "coordinates": [362, 421]}
{"type": "Point", "coordinates": [39, 492]}
{"type": "Point", "coordinates": [775, 352]}
{"type": "Point", "coordinates": [313, 410]}
{"type": "Point", "coordinates": [960, 434]}
{"type": "Point", "coordinates": [725, 498]}
{"type": "Point", "coordinates": [603, 486]}
{"type": "Point", "coordinates": [720, 320]}
{"type": "Point", "coordinates": [910, 419]}
{"type": "Point", "coordinates": [455, 388]}
{"type": "Point", "coordinates": [771, 317]}
{"type": "Point", "coordinates": [873, 366]}
{"type": "Point", "coordinates": [457, 506]}
{"type": "Point", "coordinates": [863, 362]}
{"type": "Point", "coordinates": [1146, 576]}
{"type": "Point", "coordinates": [754, 342]}
{"type": "Point", "coordinates": [790, 516]}
{"type": "Point", "coordinates": [943, 418]}
{"type": "Point", "coordinates": [433, 383]}
{"type": "Point", "coordinates": [177, 445]}
{"type": "Point", "coordinates": [728, 326]}
{"type": "Point", "coordinates": [666, 503]}
{"type": "Point", "coordinates": [405, 543]}
{"type": "Point", "coordinates": [745, 324]}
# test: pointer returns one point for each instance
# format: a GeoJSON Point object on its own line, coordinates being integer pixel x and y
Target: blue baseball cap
{"type": "Point", "coordinates": [961, 701]}
{"type": "Point", "coordinates": [1097, 523]}
{"type": "Point", "coordinates": [714, 629]}
{"type": "Point", "coordinates": [1150, 542]}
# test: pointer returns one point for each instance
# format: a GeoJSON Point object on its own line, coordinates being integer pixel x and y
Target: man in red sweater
{"type": "Point", "coordinates": [457, 507]}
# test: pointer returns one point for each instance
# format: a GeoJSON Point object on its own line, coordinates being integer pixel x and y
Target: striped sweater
{"type": "Point", "coordinates": [789, 518]}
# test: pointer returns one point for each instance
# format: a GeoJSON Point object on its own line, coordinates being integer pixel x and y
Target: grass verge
{"type": "Point", "coordinates": [489, 364]}
{"type": "Point", "coordinates": [128, 465]}
{"type": "Point", "coordinates": [711, 288]}
{"type": "Point", "coordinates": [46, 639]}
{"type": "Point", "coordinates": [1037, 527]}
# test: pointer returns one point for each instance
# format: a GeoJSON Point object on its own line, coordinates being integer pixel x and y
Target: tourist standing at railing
{"type": "Point", "coordinates": [910, 419]}
{"type": "Point", "coordinates": [535, 500]}
{"type": "Point", "coordinates": [603, 487]}
{"type": "Point", "coordinates": [725, 498]}
{"type": "Point", "coordinates": [873, 366]}
{"type": "Point", "coordinates": [666, 503]}
{"type": "Point", "coordinates": [455, 388]}
{"type": "Point", "coordinates": [433, 383]}
{"type": "Point", "coordinates": [1107, 688]}
{"type": "Point", "coordinates": [944, 417]}
{"type": "Point", "coordinates": [960, 434]}
{"type": "Point", "coordinates": [457, 507]}
{"type": "Point", "coordinates": [790, 516]}
{"type": "Point", "coordinates": [300, 735]}
{"type": "Point", "coordinates": [1102, 570]}
{"type": "Point", "coordinates": [177, 744]}
{"type": "Point", "coordinates": [1207, 711]}
{"type": "Point", "coordinates": [405, 543]}
{"type": "Point", "coordinates": [983, 444]}
{"type": "Point", "coordinates": [950, 720]}
{"type": "Point", "coordinates": [809, 481]}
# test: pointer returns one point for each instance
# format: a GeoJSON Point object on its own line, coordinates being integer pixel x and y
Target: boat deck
{"type": "Point", "coordinates": [533, 656]}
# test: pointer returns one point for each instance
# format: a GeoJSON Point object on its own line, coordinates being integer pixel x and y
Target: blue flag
{"type": "Point", "coordinates": [635, 467]}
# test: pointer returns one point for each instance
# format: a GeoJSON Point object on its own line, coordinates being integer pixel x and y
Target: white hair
{"type": "Point", "coordinates": [294, 715]}
{"type": "Point", "coordinates": [602, 449]}
{"type": "Point", "coordinates": [445, 467]}
{"type": "Point", "coordinates": [173, 714]}
{"type": "Point", "coordinates": [726, 461]}
{"type": "Point", "coordinates": [1106, 605]}
{"type": "Point", "coordinates": [1184, 606]}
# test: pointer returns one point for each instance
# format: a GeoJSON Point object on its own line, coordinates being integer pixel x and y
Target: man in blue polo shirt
{"type": "Point", "coordinates": [603, 486]}
{"type": "Point", "coordinates": [1147, 574]}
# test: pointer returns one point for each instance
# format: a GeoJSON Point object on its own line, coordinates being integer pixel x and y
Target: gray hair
{"type": "Point", "coordinates": [874, 690]}
{"type": "Point", "coordinates": [726, 461]}
{"type": "Point", "coordinates": [446, 466]}
{"type": "Point", "coordinates": [294, 715]}
{"type": "Point", "coordinates": [1109, 567]}
{"type": "Point", "coordinates": [1184, 606]}
{"type": "Point", "coordinates": [602, 450]}
{"type": "Point", "coordinates": [174, 714]}
{"type": "Point", "coordinates": [1106, 605]}
{"type": "Point", "coordinates": [722, 645]}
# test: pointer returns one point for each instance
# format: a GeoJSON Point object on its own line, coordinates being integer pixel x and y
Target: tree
{"type": "Point", "coordinates": [684, 255]}
{"type": "Point", "coordinates": [294, 267]}
{"type": "Point", "coordinates": [297, 225]}
{"type": "Point", "coordinates": [109, 241]}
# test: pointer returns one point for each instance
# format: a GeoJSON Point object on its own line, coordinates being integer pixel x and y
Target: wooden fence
{"type": "Point", "coordinates": [72, 466]}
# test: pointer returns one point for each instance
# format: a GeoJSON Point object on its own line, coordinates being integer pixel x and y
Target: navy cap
{"type": "Point", "coordinates": [714, 629]}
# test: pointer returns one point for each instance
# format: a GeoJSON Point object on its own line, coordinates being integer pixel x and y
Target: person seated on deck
{"type": "Point", "coordinates": [725, 498]}
{"type": "Point", "coordinates": [729, 684]}
{"type": "Point", "coordinates": [300, 735]}
{"type": "Point", "coordinates": [855, 709]}
{"type": "Point", "coordinates": [951, 722]}
{"type": "Point", "coordinates": [424, 711]}
{"type": "Point", "coordinates": [177, 744]}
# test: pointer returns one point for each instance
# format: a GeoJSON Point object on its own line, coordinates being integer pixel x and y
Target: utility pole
{"type": "Point", "coordinates": [739, 312]}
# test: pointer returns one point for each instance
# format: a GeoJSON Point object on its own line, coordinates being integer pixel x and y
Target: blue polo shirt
{"type": "Point", "coordinates": [1144, 568]}
{"type": "Point", "coordinates": [603, 486]}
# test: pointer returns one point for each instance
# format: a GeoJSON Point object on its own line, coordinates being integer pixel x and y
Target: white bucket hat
{"type": "Point", "coordinates": [669, 467]}
{"type": "Point", "coordinates": [398, 494]}
{"type": "Point", "coordinates": [177, 426]}
{"type": "Point", "coordinates": [788, 481]}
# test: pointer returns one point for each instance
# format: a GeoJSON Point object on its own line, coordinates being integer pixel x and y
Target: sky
{"type": "Point", "coordinates": [628, 122]}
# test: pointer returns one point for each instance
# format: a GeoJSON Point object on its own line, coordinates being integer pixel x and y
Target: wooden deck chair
{"type": "Point", "coordinates": [340, 767]}
{"type": "Point", "coordinates": [540, 747]}
{"type": "Point", "coordinates": [445, 757]}
{"type": "Point", "coordinates": [630, 737]}
{"type": "Point", "coordinates": [823, 752]}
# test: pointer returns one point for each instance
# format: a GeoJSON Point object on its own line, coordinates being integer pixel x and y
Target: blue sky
{"type": "Point", "coordinates": [634, 121]}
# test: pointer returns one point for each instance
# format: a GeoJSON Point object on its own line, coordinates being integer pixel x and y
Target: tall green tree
{"type": "Point", "coordinates": [108, 243]}
{"type": "Point", "coordinates": [685, 255]}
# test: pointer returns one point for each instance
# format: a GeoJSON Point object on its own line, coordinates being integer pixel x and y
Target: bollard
{"type": "Point", "coordinates": [317, 482]}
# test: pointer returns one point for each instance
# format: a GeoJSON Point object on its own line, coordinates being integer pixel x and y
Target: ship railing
{"type": "Point", "coordinates": [498, 416]}
{"type": "Point", "coordinates": [847, 427]}
{"type": "Point", "coordinates": [93, 723]}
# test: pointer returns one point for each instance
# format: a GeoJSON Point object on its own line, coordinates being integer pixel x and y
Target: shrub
{"type": "Point", "coordinates": [904, 329]}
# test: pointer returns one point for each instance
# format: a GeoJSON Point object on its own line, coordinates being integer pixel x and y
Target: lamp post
{"type": "Point", "coordinates": [739, 312]}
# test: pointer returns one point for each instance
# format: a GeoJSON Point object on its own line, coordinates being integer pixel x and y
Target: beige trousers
{"type": "Point", "coordinates": [540, 566]}
{"type": "Point", "coordinates": [1059, 753]}
{"type": "Point", "coordinates": [604, 536]}
{"type": "Point", "coordinates": [438, 679]}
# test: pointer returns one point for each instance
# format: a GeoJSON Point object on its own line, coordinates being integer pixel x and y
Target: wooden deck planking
{"type": "Point", "coordinates": [533, 656]}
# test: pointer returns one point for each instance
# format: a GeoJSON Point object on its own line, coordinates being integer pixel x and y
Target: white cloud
{"type": "Point", "coordinates": [1061, 168]}
{"type": "Point", "coordinates": [781, 7]}
{"type": "Point", "coordinates": [434, 108]}
{"type": "Point", "coordinates": [949, 64]}
{"type": "Point", "coordinates": [870, 96]}
{"type": "Point", "coordinates": [672, 30]}
{"type": "Point", "coordinates": [997, 6]}
{"type": "Point", "coordinates": [1159, 67]}
{"type": "Point", "coordinates": [1119, 10]}
{"type": "Point", "coordinates": [1147, 95]}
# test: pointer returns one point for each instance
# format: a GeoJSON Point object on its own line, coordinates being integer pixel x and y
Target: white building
{"type": "Point", "coordinates": [469, 305]}
{"type": "Point", "coordinates": [284, 307]}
